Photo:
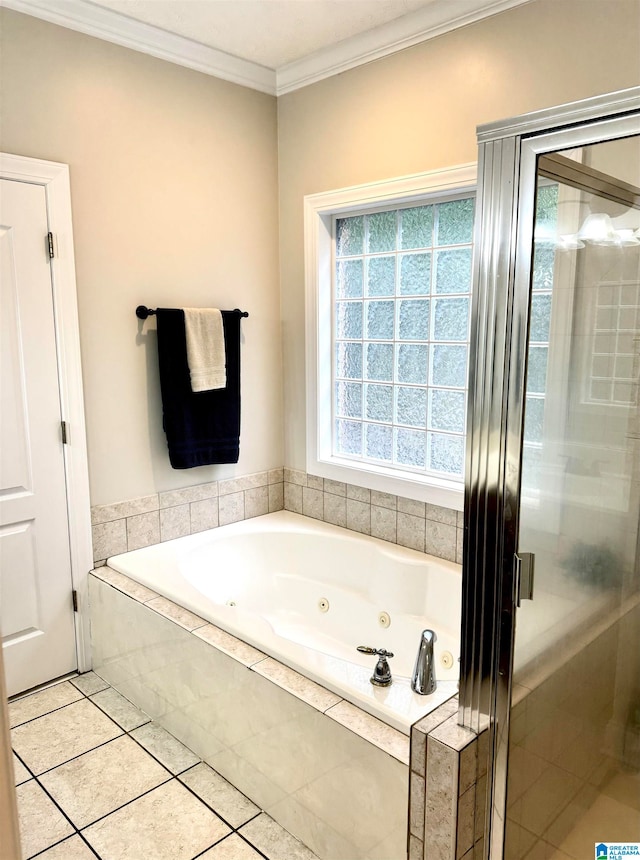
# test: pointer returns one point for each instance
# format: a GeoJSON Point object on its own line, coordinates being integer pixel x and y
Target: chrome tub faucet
{"type": "Point", "coordinates": [423, 680]}
{"type": "Point", "coordinates": [382, 673]}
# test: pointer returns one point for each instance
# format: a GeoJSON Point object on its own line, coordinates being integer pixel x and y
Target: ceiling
{"type": "Point", "coordinates": [271, 33]}
{"type": "Point", "coordinates": [275, 46]}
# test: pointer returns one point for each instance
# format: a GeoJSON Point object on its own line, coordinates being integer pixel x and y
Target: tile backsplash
{"type": "Point", "coordinates": [417, 525]}
{"type": "Point", "coordinates": [136, 523]}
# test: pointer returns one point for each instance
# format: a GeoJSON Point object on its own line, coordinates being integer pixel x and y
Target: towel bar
{"type": "Point", "coordinates": [142, 312]}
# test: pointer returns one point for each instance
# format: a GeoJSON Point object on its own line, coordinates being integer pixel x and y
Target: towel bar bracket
{"type": "Point", "coordinates": [142, 312]}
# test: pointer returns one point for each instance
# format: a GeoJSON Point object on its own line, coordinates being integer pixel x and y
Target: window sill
{"type": "Point", "coordinates": [444, 492]}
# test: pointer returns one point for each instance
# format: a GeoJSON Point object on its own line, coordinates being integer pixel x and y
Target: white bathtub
{"type": "Point", "coordinates": [267, 580]}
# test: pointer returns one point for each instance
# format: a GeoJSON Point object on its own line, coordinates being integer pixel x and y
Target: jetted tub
{"type": "Point", "coordinates": [308, 593]}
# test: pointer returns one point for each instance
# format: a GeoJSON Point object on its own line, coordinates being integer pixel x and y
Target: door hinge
{"type": "Point", "coordinates": [74, 598]}
{"type": "Point", "coordinates": [524, 563]}
{"type": "Point", "coordinates": [51, 246]}
{"type": "Point", "coordinates": [64, 432]}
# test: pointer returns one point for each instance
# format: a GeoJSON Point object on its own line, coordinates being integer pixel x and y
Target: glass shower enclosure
{"type": "Point", "coordinates": [551, 662]}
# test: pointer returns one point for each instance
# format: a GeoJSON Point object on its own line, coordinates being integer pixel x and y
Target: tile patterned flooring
{"type": "Point", "coordinates": [607, 810]}
{"type": "Point", "coordinates": [95, 777]}
{"type": "Point", "coordinates": [609, 813]}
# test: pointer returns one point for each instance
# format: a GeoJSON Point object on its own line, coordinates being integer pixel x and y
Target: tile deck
{"type": "Point", "coordinates": [95, 782]}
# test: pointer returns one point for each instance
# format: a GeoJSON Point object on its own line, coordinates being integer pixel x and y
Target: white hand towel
{"type": "Point", "coordinates": [205, 348]}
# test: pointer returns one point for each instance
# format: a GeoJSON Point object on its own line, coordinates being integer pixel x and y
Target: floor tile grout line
{"type": "Point", "coordinates": [234, 833]}
{"type": "Point", "coordinates": [111, 717]}
{"type": "Point", "coordinates": [548, 763]}
{"type": "Point", "coordinates": [556, 813]}
{"type": "Point", "coordinates": [155, 757]}
{"type": "Point", "coordinates": [62, 841]}
{"type": "Point", "coordinates": [79, 690]}
{"type": "Point", "coordinates": [73, 758]}
{"type": "Point", "coordinates": [53, 845]}
{"type": "Point", "coordinates": [52, 711]}
{"type": "Point", "coordinates": [81, 675]}
{"type": "Point", "coordinates": [60, 809]}
{"type": "Point", "coordinates": [215, 812]}
{"type": "Point", "coordinates": [89, 845]}
{"type": "Point", "coordinates": [255, 848]}
{"type": "Point", "coordinates": [170, 775]}
{"type": "Point", "coordinates": [108, 716]}
{"type": "Point", "coordinates": [192, 767]}
{"type": "Point", "coordinates": [124, 805]}
{"type": "Point", "coordinates": [98, 705]}
{"type": "Point", "coordinates": [253, 817]}
{"type": "Point", "coordinates": [28, 769]}
{"type": "Point", "coordinates": [213, 845]}
{"type": "Point", "coordinates": [208, 805]}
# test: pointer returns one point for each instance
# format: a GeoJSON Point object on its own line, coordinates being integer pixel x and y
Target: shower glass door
{"type": "Point", "coordinates": [574, 732]}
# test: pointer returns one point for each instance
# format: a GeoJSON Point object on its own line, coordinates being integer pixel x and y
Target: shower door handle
{"type": "Point", "coordinates": [524, 563]}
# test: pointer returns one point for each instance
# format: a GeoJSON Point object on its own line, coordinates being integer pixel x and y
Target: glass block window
{"type": "Point", "coordinates": [542, 273]}
{"type": "Point", "coordinates": [401, 305]}
{"type": "Point", "coordinates": [616, 321]}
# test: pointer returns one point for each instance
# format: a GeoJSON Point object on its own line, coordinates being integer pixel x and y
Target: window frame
{"type": "Point", "coordinates": [320, 211]}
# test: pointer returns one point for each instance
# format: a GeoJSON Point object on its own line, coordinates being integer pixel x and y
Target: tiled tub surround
{"type": "Point", "coordinates": [426, 528]}
{"type": "Point", "coordinates": [448, 772]}
{"type": "Point", "coordinates": [332, 775]}
{"type": "Point", "coordinates": [416, 525]}
{"type": "Point", "coordinates": [137, 523]}
{"type": "Point", "coordinates": [308, 593]}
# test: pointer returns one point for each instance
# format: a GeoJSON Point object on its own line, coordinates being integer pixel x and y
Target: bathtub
{"type": "Point", "coordinates": [308, 593]}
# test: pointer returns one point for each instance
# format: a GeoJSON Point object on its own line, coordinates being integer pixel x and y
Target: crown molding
{"type": "Point", "coordinates": [113, 27]}
{"type": "Point", "coordinates": [440, 16]}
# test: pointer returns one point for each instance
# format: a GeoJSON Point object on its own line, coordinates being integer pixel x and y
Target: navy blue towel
{"type": "Point", "coordinates": [202, 427]}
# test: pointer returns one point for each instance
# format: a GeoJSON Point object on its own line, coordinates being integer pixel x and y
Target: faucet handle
{"type": "Point", "coordinates": [381, 652]}
{"type": "Point", "coordinates": [382, 673]}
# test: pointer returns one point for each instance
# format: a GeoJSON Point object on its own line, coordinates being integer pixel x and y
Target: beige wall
{"type": "Point", "coordinates": [174, 194]}
{"type": "Point", "coordinates": [418, 110]}
{"type": "Point", "coordinates": [175, 187]}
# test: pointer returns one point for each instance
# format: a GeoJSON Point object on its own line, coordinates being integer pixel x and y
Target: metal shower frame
{"type": "Point", "coordinates": [505, 206]}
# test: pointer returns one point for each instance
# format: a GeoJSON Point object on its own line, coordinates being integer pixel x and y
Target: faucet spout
{"type": "Point", "coordinates": [423, 680]}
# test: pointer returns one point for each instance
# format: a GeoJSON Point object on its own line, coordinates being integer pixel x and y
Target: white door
{"type": "Point", "coordinates": [36, 609]}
